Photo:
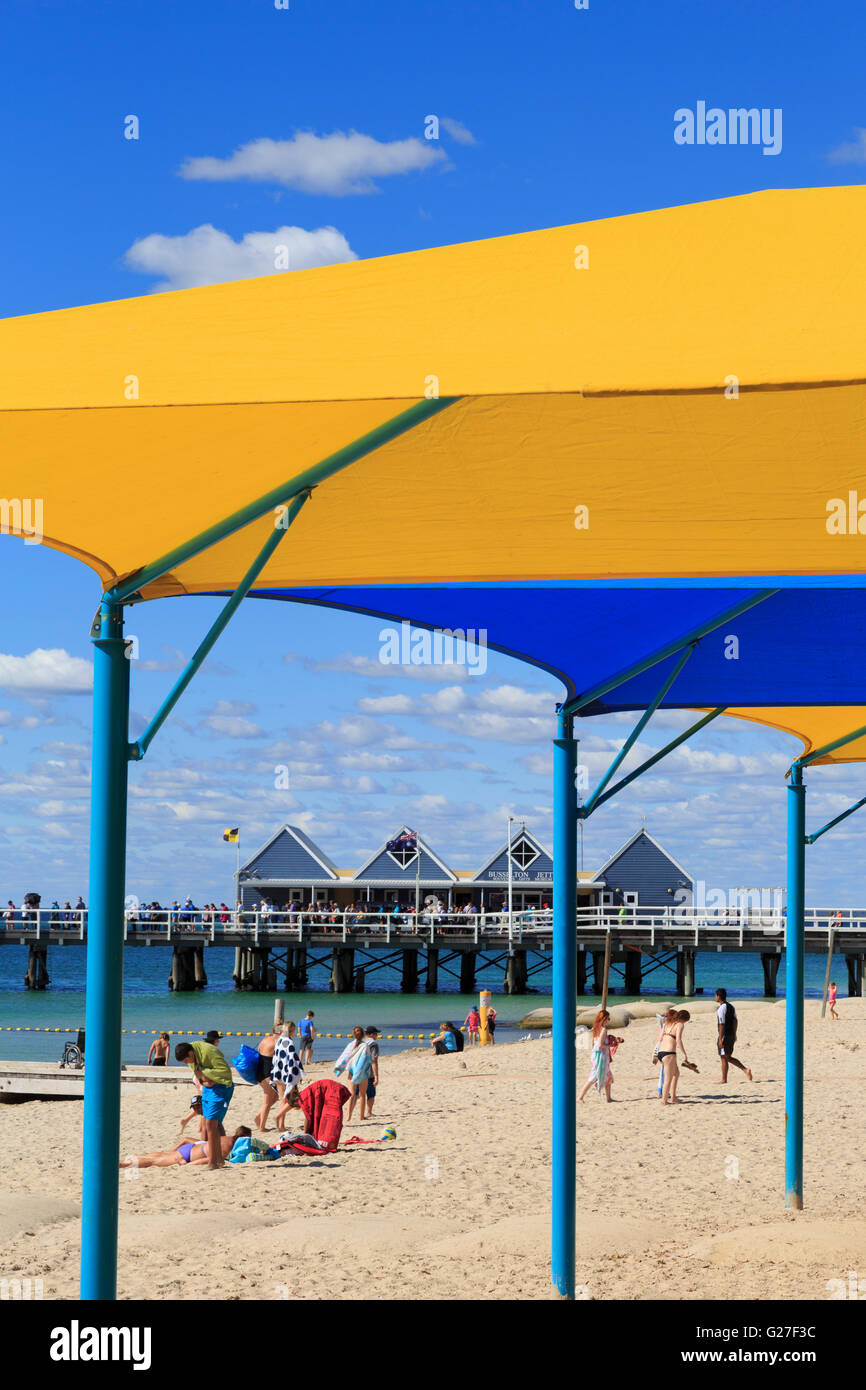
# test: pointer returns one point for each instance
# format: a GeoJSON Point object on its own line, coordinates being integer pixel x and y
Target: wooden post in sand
{"type": "Point", "coordinates": [830, 944]}
{"type": "Point", "coordinates": [606, 976]}
{"type": "Point", "coordinates": [484, 1005]}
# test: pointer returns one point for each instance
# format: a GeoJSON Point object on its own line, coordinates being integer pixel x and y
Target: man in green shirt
{"type": "Point", "coordinates": [209, 1066]}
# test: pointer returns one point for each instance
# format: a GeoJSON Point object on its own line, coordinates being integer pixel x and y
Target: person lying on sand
{"type": "Point", "coordinates": [192, 1151]}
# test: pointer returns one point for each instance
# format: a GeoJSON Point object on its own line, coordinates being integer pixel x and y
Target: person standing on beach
{"type": "Point", "coordinates": [287, 1073]}
{"type": "Point", "coordinates": [263, 1077]}
{"type": "Point", "coordinates": [671, 1039]}
{"type": "Point", "coordinates": [603, 1043]}
{"type": "Point", "coordinates": [727, 1020]}
{"type": "Point", "coordinates": [831, 999]}
{"type": "Point", "coordinates": [308, 1037]}
{"type": "Point", "coordinates": [662, 1020]}
{"type": "Point", "coordinates": [472, 1024]}
{"type": "Point", "coordinates": [372, 1036]}
{"type": "Point", "coordinates": [210, 1067]}
{"type": "Point", "coordinates": [158, 1054]}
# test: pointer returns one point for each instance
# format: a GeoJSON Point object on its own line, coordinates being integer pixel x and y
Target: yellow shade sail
{"type": "Point", "coordinates": [676, 393]}
{"type": "Point", "coordinates": [815, 726]}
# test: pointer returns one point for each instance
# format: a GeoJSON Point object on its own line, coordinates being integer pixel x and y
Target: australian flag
{"type": "Point", "coordinates": [408, 840]}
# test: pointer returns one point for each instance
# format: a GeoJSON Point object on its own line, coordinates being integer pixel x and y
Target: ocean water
{"type": "Point", "coordinates": [149, 1005]}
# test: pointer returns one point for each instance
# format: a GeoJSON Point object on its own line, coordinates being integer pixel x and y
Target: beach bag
{"type": "Point", "coordinates": [246, 1063]}
{"type": "Point", "coordinates": [251, 1150]}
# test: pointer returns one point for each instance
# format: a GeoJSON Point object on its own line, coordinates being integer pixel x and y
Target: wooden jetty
{"type": "Point", "coordinates": [274, 952]}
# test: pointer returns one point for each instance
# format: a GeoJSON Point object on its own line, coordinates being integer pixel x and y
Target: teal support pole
{"type": "Point", "coordinates": [564, 1005]}
{"type": "Point", "coordinates": [810, 839]}
{"type": "Point", "coordinates": [794, 952]}
{"type": "Point", "coordinates": [138, 749]}
{"type": "Point", "coordinates": [105, 955]}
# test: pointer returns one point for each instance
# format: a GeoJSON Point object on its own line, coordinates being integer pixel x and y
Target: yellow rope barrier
{"type": "Point", "coordinates": [188, 1033]}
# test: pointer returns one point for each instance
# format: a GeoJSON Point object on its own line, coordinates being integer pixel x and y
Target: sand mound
{"type": "Point", "coordinates": [21, 1213]}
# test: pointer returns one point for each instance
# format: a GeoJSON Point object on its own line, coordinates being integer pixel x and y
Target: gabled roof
{"type": "Point", "coordinates": [653, 841]}
{"type": "Point", "coordinates": [301, 837]}
{"type": "Point", "coordinates": [423, 848]}
{"type": "Point", "coordinates": [503, 850]}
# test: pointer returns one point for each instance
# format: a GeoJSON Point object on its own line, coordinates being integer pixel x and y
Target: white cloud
{"type": "Point", "coordinates": [852, 151]}
{"type": "Point", "coordinates": [43, 670]}
{"type": "Point", "coordinates": [56, 831]}
{"type": "Point", "coordinates": [207, 256]}
{"type": "Point", "coordinates": [387, 704]}
{"type": "Point", "coordinates": [515, 700]}
{"type": "Point", "coordinates": [232, 727]}
{"type": "Point", "coordinates": [234, 707]}
{"type": "Point", "coordinates": [366, 666]}
{"type": "Point", "coordinates": [458, 131]}
{"type": "Point", "coordinates": [337, 164]}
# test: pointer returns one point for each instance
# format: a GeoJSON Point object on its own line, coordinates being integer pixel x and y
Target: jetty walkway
{"type": "Point", "coordinates": [275, 950]}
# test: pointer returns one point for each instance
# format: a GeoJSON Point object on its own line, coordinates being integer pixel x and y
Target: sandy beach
{"type": "Point", "coordinates": [683, 1202]}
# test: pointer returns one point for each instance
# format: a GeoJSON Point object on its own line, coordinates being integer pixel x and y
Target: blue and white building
{"type": "Point", "coordinates": [290, 867]}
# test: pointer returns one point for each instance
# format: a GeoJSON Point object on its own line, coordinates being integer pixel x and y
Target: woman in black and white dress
{"type": "Point", "coordinates": [287, 1071]}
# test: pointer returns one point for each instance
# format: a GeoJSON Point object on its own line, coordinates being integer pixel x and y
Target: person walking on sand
{"type": "Point", "coordinates": [307, 1030]}
{"type": "Point", "coordinates": [671, 1039]}
{"type": "Point", "coordinates": [727, 1019]}
{"type": "Point", "coordinates": [831, 999]}
{"type": "Point", "coordinates": [603, 1044]}
{"type": "Point", "coordinates": [158, 1054]}
{"type": "Point", "coordinates": [210, 1067]}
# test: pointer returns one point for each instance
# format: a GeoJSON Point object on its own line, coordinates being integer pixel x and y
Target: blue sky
{"type": "Point", "coordinates": [547, 115]}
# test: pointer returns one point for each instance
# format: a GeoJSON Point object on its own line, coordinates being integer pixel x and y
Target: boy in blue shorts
{"type": "Point", "coordinates": [209, 1066]}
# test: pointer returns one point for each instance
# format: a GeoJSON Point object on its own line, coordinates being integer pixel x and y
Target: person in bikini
{"type": "Point", "coordinates": [663, 1020]}
{"type": "Point", "coordinates": [192, 1151]}
{"type": "Point", "coordinates": [263, 1077]}
{"type": "Point", "coordinates": [831, 999]}
{"type": "Point", "coordinates": [671, 1039]}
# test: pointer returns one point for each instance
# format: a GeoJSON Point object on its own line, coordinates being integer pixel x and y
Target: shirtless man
{"type": "Point", "coordinates": [727, 1019]}
{"type": "Point", "coordinates": [158, 1054]}
{"type": "Point", "coordinates": [191, 1151]}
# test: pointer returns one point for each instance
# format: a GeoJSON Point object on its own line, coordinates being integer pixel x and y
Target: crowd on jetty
{"type": "Point", "coordinates": [328, 917]}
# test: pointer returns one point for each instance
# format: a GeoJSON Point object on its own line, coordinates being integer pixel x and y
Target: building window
{"type": "Point", "coordinates": [523, 853]}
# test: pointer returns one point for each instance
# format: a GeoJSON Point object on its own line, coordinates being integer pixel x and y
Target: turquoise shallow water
{"type": "Point", "coordinates": [149, 1005]}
